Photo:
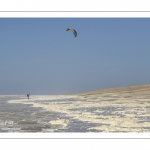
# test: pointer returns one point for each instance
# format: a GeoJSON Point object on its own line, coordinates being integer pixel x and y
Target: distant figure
{"type": "Point", "coordinates": [28, 95]}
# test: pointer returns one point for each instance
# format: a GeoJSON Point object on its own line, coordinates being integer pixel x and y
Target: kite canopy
{"type": "Point", "coordinates": [74, 31]}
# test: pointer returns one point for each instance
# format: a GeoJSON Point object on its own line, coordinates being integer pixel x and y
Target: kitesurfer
{"type": "Point", "coordinates": [28, 95]}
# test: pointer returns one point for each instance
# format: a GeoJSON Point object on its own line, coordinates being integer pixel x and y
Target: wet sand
{"type": "Point", "coordinates": [124, 109]}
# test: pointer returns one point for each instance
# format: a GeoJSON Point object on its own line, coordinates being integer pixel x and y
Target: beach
{"type": "Point", "coordinates": [125, 109]}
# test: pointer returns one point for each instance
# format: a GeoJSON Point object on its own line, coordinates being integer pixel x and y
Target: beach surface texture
{"type": "Point", "coordinates": [125, 109]}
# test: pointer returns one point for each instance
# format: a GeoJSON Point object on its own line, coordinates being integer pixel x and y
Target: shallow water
{"type": "Point", "coordinates": [17, 117]}
{"type": "Point", "coordinates": [74, 113]}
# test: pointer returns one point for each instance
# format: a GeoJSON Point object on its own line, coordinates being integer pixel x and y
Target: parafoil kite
{"type": "Point", "coordinates": [74, 31]}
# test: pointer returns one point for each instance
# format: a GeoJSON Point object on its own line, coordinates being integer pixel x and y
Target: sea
{"type": "Point", "coordinates": [22, 117]}
{"type": "Point", "coordinates": [106, 112]}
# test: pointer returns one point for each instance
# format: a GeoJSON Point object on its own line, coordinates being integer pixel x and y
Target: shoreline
{"type": "Point", "coordinates": [124, 109]}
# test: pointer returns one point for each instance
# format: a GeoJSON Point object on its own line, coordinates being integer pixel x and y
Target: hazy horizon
{"type": "Point", "coordinates": [39, 57]}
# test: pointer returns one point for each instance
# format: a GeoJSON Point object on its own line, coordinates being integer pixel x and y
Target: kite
{"type": "Point", "coordinates": [74, 31]}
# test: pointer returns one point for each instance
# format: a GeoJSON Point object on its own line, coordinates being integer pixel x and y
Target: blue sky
{"type": "Point", "coordinates": [38, 56]}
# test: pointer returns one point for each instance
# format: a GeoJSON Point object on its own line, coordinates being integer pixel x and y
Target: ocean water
{"type": "Point", "coordinates": [22, 117]}
{"type": "Point", "coordinates": [125, 112]}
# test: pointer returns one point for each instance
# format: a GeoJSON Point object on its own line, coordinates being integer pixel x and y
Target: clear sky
{"type": "Point", "coordinates": [38, 56]}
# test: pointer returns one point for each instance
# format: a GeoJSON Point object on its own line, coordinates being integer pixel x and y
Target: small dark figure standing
{"type": "Point", "coordinates": [28, 95]}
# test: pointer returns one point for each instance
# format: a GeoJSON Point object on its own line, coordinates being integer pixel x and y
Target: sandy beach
{"type": "Point", "coordinates": [125, 109]}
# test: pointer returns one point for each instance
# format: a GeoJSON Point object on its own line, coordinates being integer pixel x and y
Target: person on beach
{"type": "Point", "coordinates": [28, 95]}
